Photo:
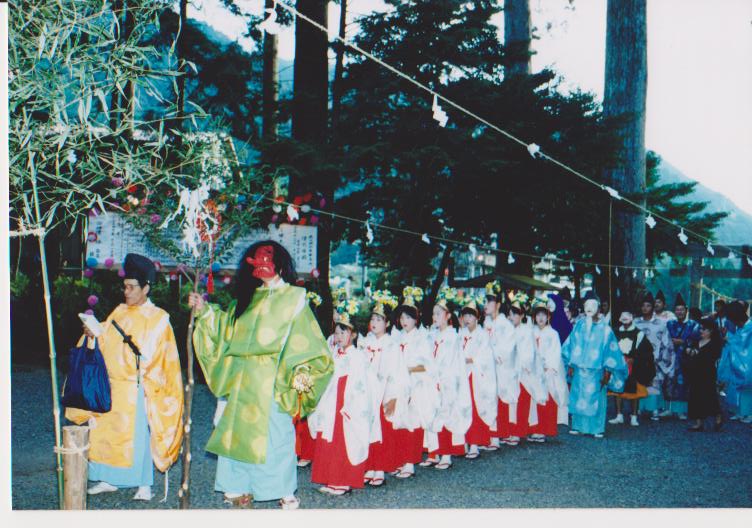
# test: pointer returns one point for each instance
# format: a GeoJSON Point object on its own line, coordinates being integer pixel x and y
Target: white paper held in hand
{"type": "Point", "coordinates": [92, 324]}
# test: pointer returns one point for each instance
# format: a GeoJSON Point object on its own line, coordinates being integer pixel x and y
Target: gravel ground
{"type": "Point", "coordinates": [657, 465]}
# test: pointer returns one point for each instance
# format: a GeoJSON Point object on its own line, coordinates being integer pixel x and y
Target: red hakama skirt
{"type": "Point", "coordinates": [305, 446]}
{"type": "Point", "coordinates": [479, 433]}
{"type": "Point", "coordinates": [547, 417]}
{"type": "Point", "coordinates": [445, 445]}
{"type": "Point", "coordinates": [408, 446]}
{"type": "Point", "coordinates": [383, 456]}
{"type": "Point", "coordinates": [330, 463]}
{"type": "Point", "coordinates": [522, 428]}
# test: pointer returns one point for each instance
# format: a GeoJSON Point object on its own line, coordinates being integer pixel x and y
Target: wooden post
{"type": "Point", "coordinates": [75, 466]}
{"type": "Point", "coordinates": [695, 281]}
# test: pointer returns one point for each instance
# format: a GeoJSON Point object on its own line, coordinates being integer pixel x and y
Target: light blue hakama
{"type": "Point", "coordinates": [595, 424]}
{"type": "Point", "coordinates": [141, 473]}
{"type": "Point", "coordinates": [274, 479]}
{"type": "Point", "coordinates": [652, 402]}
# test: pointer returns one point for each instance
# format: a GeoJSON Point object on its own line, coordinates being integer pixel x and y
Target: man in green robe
{"type": "Point", "coordinates": [267, 356]}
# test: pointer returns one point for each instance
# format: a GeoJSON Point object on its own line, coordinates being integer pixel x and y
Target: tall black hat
{"type": "Point", "coordinates": [140, 268]}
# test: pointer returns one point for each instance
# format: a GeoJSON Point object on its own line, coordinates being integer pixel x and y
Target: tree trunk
{"type": "Point", "coordinates": [75, 465]}
{"type": "Point", "coordinates": [625, 93]}
{"type": "Point", "coordinates": [517, 36]}
{"type": "Point", "coordinates": [311, 83]}
{"type": "Point", "coordinates": [337, 88]}
{"type": "Point", "coordinates": [130, 86]}
{"type": "Point", "coordinates": [309, 124]}
{"type": "Point", "coordinates": [270, 91]}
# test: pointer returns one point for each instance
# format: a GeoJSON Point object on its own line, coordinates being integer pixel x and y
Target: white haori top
{"type": "Point", "coordinates": [501, 336]}
{"type": "Point", "coordinates": [357, 409]}
{"type": "Point", "coordinates": [417, 395]}
{"type": "Point", "coordinates": [476, 345]}
{"type": "Point", "coordinates": [548, 347]}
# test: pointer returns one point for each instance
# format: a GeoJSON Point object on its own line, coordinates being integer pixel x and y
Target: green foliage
{"type": "Point", "coordinates": [19, 284]}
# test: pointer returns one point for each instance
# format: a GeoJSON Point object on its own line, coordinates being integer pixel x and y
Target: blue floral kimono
{"type": "Point", "coordinates": [689, 332]}
{"type": "Point", "coordinates": [735, 369]}
{"type": "Point", "coordinates": [590, 350]}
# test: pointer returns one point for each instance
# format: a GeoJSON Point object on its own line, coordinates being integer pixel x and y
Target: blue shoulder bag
{"type": "Point", "coordinates": [87, 386]}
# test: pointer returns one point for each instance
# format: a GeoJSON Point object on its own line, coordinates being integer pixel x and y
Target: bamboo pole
{"type": "Point", "coordinates": [184, 493]}
{"type": "Point", "coordinates": [75, 465]}
{"type": "Point", "coordinates": [50, 342]}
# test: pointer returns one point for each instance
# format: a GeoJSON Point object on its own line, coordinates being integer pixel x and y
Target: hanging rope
{"type": "Point", "coordinates": [537, 152]}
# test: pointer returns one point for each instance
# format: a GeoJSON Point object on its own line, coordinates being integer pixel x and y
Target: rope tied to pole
{"type": "Point", "coordinates": [75, 450]}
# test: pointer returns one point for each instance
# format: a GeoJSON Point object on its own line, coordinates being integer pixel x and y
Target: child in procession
{"type": "Point", "coordinates": [548, 352]}
{"type": "Point", "coordinates": [446, 436]}
{"type": "Point", "coordinates": [342, 422]}
{"type": "Point", "coordinates": [481, 376]}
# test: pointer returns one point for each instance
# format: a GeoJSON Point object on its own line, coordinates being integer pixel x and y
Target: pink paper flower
{"type": "Point", "coordinates": [121, 273]}
{"type": "Point", "coordinates": [108, 262]}
{"type": "Point", "coordinates": [117, 181]}
{"type": "Point", "coordinates": [155, 218]}
{"type": "Point", "coordinates": [89, 312]}
{"type": "Point", "coordinates": [92, 300]}
{"type": "Point", "coordinates": [88, 273]}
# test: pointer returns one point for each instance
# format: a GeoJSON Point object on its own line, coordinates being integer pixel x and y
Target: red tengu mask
{"type": "Point", "coordinates": [263, 263]}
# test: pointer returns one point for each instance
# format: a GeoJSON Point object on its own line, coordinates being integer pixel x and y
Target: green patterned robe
{"type": "Point", "coordinates": [254, 358]}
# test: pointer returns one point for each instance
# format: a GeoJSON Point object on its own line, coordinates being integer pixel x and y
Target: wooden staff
{"type": "Point", "coordinates": [75, 454]}
{"type": "Point", "coordinates": [184, 493]}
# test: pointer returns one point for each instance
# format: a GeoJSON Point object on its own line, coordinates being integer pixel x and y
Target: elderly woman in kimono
{"type": "Point", "coordinates": [595, 365]}
{"type": "Point", "coordinates": [268, 357]}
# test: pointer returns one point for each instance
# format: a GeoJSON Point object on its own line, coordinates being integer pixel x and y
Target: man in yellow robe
{"type": "Point", "coordinates": [144, 427]}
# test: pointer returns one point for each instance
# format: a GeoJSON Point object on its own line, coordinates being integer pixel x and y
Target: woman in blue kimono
{"type": "Point", "coordinates": [595, 365]}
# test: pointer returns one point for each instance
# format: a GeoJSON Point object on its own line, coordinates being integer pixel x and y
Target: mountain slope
{"type": "Point", "coordinates": [736, 228]}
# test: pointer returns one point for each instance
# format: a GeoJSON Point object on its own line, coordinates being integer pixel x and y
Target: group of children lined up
{"type": "Point", "coordinates": [453, 389]}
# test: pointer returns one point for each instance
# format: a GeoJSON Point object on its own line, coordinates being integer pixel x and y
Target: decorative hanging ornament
{"type": "Point", "coordinates": [634, 274]}
{"type": "Point", "coordinates": [710, 248]}
{"type": "Point", "coordinates": [369, 233]}
{"type": "Point", "coordinates": [650, 221]}
{"type": "Point", "coordinates": [749, 261]}
{"type": "Point", "coordinates": [616, 271]}
{"type": "Point", "coordinates": [270, 24]}
{"type": "Point", "coordinates": [534, 150]}
{"type": "Point", "coordinates": [438, 113]}
{"type": "Point", "coordinates": [510, 259]}
{"type": "Point", "coordinates": [425, 239]}
{"type": "Point", "coordinates": [683, 237]}
{"type": "Point", "coordinates": [571, 267]}
{"type": "Point", "coordinates": [292, 213]}
{"type": "Point", "coordinates": [613, 192]}
{"type": "Point", "coordinates": [597, 269]}
{"type": "Point", "coordinates": [731, 254]}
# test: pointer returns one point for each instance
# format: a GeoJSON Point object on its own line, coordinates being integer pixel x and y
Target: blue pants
{"type": "Point", "coordinates": [275, 478]}
{"type": "Point", "coordinates": [141, 473]}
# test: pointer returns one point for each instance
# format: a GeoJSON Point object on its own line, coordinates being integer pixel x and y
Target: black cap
{"type": "Point", "coordinates": [660, 297]}
{"type": "Point", "coordinates": [565, 294]}
{"type": "Point", "coordinates": [140, 268]}
{"type": "Point", "coordinates": [680, 300]}
{"type": "Point", "coordinates": [648, 298]}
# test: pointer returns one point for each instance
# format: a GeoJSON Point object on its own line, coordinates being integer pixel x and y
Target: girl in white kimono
{"type": "Point", "coordinates": [481, 378]}
{"type": "Point", "coordinates": [341, 423]}
{"type": "Point", "coordinates": [548, 352]}
{"type": "Point", "coordinates": [386, 369]}
{"type": "Point", "coordinates": [415, 405]}
{"type": "Point", "coordinates": [500, 334]}
{"type": "Point", "coordinates": [446, 435]}
{"type": "Point", "coordinates": [524, 414]}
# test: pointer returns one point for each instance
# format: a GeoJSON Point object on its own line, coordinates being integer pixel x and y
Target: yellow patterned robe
{"type": "Point", "coordinates": [111, 435]}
